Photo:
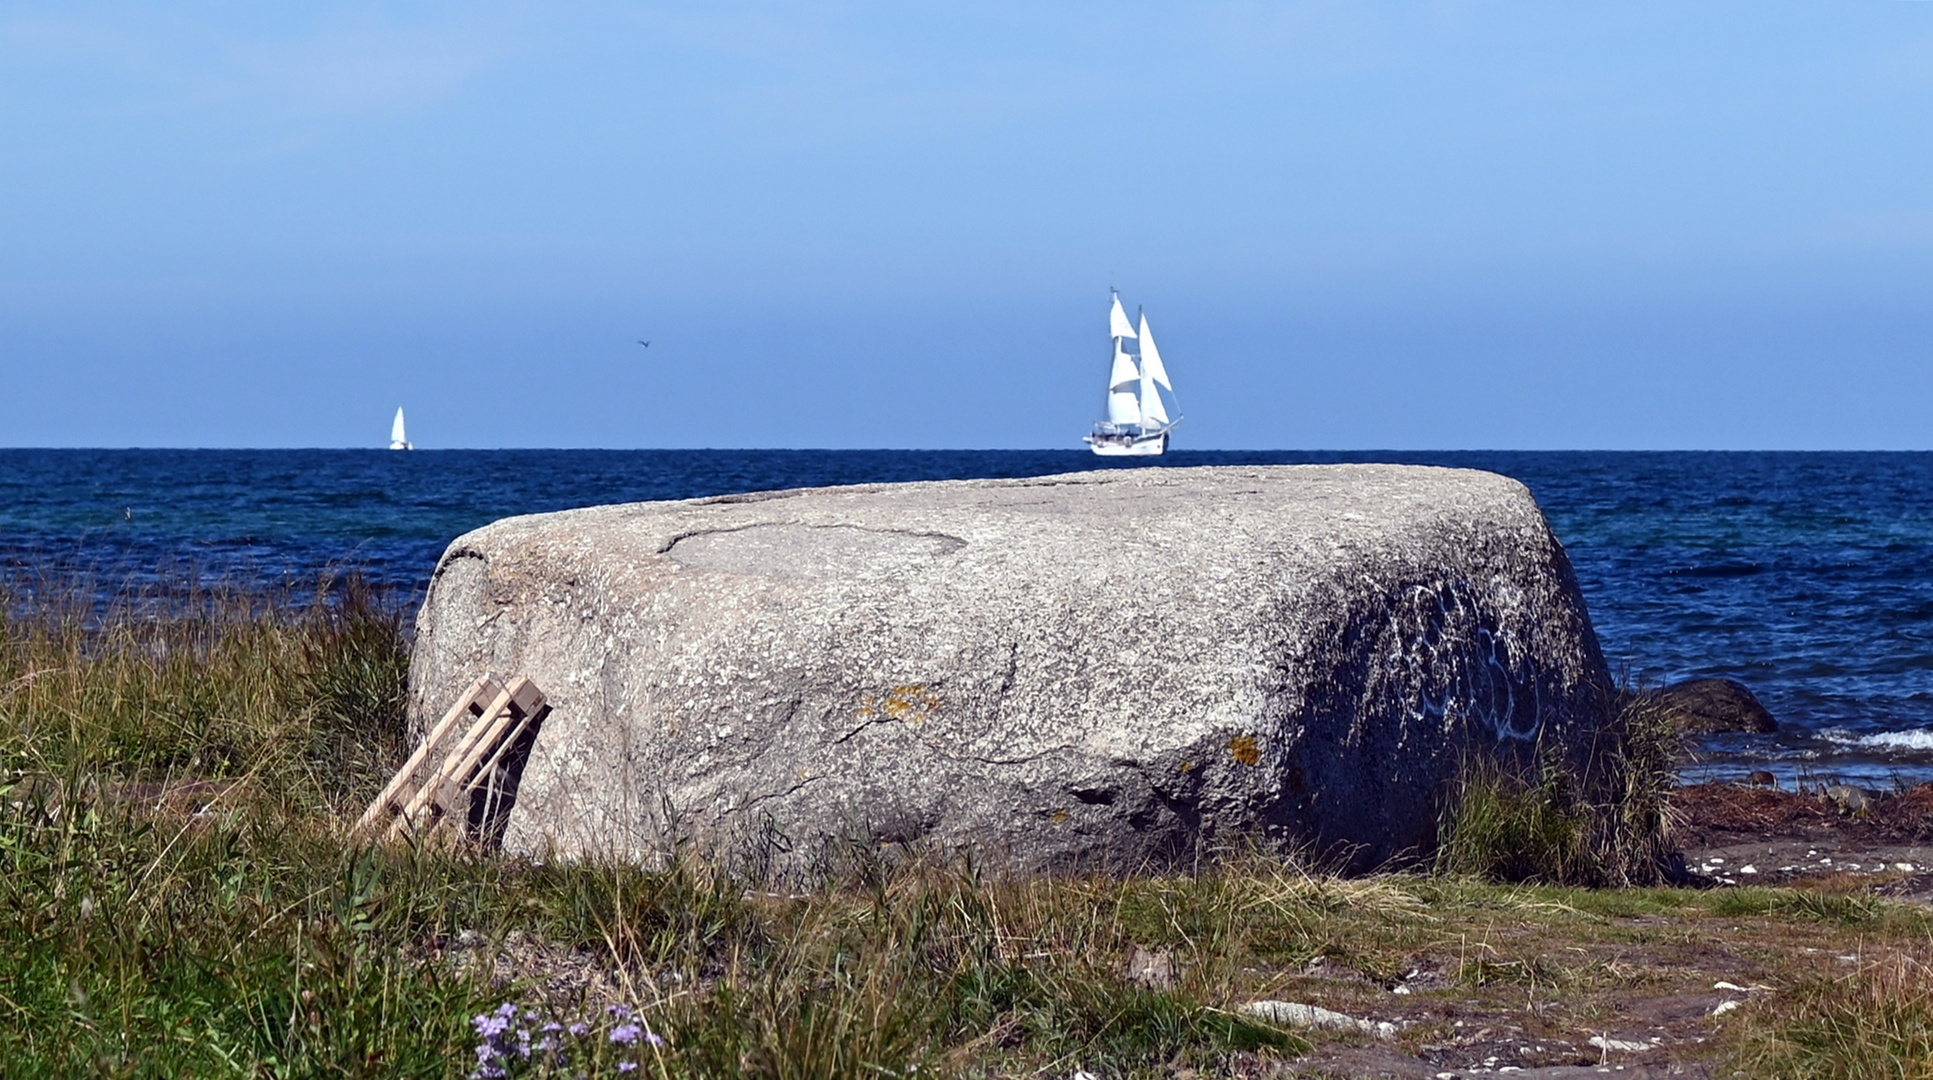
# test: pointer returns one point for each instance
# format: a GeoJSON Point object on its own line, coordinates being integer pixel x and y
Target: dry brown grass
{"type": "Point", "coordinates": [1873, 1021]}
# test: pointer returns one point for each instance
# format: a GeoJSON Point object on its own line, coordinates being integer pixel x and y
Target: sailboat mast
{"type": "Point", "coordinates": [1124, 375]}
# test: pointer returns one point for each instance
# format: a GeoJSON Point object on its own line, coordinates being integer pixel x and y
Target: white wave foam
{"type": "Point", "coordinates": [1916, 739]}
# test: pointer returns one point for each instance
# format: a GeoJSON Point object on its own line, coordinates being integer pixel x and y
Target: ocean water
{"type": "Point", "coordinates": [1808, 576]}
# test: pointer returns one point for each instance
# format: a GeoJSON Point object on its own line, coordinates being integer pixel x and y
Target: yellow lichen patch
{"type": "Point", "coordinates": [1060, 817]}
{"type": "Point", "coordinates": [1245, 749]}
{"type": "Point", "coordinates": [912, 703]}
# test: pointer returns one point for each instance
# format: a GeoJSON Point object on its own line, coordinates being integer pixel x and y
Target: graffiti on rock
{"type": "Point", "coordinates": [1455, 662]}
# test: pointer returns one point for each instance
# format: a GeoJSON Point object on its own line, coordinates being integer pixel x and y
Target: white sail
{"type": "Point", "coordinates": [1123, 406]}
{"type": "Point", "coordinates": [1153, 413]}
{"type": "Point", "coordinates": [1117, 321]}
{"type": "Point", "coordinates": [397, 439]}
{"type": "Point", "coordinates": [1151, 357]}
{"type": "Point", "coordinates": [1125, 374]}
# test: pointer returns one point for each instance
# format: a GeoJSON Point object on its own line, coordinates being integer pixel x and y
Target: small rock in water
{"type": "Point", "coordinates": [1716, 706]}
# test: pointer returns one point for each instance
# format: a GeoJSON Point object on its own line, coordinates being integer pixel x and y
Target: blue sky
{"type": "Point", "coordinates": [1354, 225]}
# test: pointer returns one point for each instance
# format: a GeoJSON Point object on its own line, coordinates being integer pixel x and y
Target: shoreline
{"type": "Point", "coordinates": [1732, 575]}
{"type": "Point", "coordinates": [1737, 835]}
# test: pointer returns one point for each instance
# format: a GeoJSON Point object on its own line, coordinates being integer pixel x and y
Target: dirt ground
{"type": "Point", "coordinates": [1645, 992]}
{"type": "Point", "coordinates": [1480, 980]}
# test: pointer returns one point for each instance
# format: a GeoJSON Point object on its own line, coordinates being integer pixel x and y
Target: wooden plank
{"type": "Point", "coordinates": [458, 765]}
{"type": "Point", "coordinates": [442, 802]}
{"type": "Point", "coordinates": [509, 740]}
{"type": "Point", "coordinates": [393, 795]}
{"type": "Point", "coordinates": [397, 793]}
{"type": "Point", "coordinates": [528, 699]}
{"type": "Point", "coordinates": [466, 769]}
{"type": "Point", "coordinates": [413, 813]}
{"type": "Point", "coordinates": [452, 806]}
{"type": "Point", "coordinates": [489, 768]}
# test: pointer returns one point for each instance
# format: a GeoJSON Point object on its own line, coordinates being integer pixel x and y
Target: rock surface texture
{"type": "Point", "coordinates": [1114, 668]}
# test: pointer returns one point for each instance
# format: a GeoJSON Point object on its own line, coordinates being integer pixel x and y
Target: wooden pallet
{"type": "Point", "coordinates": [491, 717]}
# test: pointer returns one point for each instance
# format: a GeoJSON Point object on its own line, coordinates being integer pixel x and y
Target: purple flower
{"type": "Point", "coordinates": [509, 1033]}
{"type": "Point", "coordinates": [497, 1043]}
{"type": "Point", "coordinates": [489, 1064]}
{"type": "Point", "coordinates": [489, 1027]}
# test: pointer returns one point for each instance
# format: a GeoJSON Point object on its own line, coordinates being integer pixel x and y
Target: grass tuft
{"type": "Point", "coordinates": [1603, 821]}
{"type": "Point", "coordinates": [1875, 1021]}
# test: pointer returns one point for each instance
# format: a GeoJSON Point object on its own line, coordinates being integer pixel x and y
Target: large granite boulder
{"type": "Point", "coordinates": [1118, 668]}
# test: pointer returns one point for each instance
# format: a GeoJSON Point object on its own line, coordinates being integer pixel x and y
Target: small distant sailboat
{"type": "Point", "coordinates": [1137, 423]}
{"type": "Point", "coordinates": [397, 439]}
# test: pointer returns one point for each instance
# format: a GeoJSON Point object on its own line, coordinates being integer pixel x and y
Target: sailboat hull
{"type": "Point", "coordinates": [1124, 445]}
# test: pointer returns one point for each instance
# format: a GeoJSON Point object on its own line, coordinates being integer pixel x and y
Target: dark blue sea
{"type": "Point", "coordinates": [1808, 576]}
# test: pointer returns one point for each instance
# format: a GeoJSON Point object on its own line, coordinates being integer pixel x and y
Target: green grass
{"type": "Point", "coordinates": [179, 897]}
{"type": "Point", "coordinates": [300, 696]}
{"type": "Point", "coordinates": [155, 924]}
{"type": "Point", "coordinates": [1602, 821]}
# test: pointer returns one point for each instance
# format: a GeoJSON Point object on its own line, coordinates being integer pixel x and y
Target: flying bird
{"type": "Point", "coordinates": [646, 344]}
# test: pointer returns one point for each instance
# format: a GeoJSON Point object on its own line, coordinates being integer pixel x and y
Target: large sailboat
{"type": "Point", "coordinates": [398, 438]}
{"type": "Point", "coordinates": [1137, 423]}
